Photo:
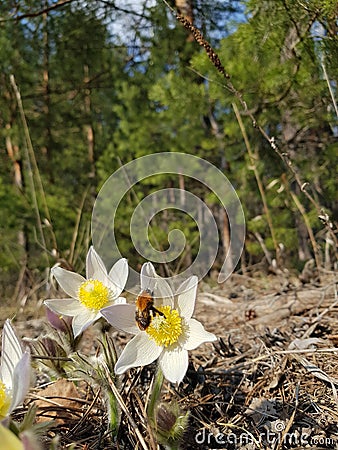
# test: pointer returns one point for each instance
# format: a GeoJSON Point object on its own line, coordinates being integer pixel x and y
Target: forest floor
{"type": "Point", "coordinates": [267, 383]}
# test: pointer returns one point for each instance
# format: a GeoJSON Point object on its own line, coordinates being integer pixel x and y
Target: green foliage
{"type": "Point", "coordinates": [95, 101]}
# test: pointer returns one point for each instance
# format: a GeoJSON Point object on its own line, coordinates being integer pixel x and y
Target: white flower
{"type": "Point", "coordinates": [169, 336]}
{"type": "Point", "coordinates": [14, 371]}
{"type": "Point", "coordinates": [88, 295]}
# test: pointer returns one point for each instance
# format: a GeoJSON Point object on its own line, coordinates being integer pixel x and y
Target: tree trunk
{"type": "Point", "coordinates": [89, 131]}
{"type": "Point", "coordinates": [48, 140]}
{"type": "Point", "coordinates": [290, 133]}
{"type": "Point", "coordinates": [22, 235]}
{"type": "Point", "coordinates": [13, 153]}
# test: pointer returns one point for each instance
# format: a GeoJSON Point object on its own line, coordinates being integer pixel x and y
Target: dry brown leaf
{"type": "Point", "coordinates": [58, 401]}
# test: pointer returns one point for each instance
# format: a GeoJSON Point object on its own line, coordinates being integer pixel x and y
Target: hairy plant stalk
{"type": "Point", "coordinates": [113, 413]}
{"type": "Point", "coordinates": [124, 408]}
{"type": "Point", "coordinates": [155, 396]}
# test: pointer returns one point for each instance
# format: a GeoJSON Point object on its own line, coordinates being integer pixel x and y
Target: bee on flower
{"type": "Point", "coordinates": [165, 331]}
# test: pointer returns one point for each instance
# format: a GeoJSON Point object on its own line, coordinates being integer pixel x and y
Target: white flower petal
{"type": "Point", "coordinates": [69, 281]}
{"type": "Point", "coordinates": [121, 317]}
{"type": "Point", "coordinates": [95, 268]}
{"type": "Point", "coordinates": [197, 335]}
{"type": "Point", "coordinates": [157, 285]}
{"type": "Point", "coordinates": [119, 274]}
{"type": "Point", "coordinates": [174, 364]}
{"type": "Point", "coordinates": [163, 292]}
{"type": "Point", "coordinates": [82, 320]}
{"type": "Point", "coordinates": [140, 351]}
{"type": "Point", "coordinates": [148, 277]}
{"type": "Point", "coordinates": [21, 381]}
{"type": "Point", "coordinates": [11, 354]}
{"type": "Point", "coordinates": [187, 296]}
{"type": "Point", "coordinates": [65, 306]}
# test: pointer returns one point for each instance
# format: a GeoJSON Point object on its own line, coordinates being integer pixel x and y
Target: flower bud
{"type": "Point", "coordinates": [171, 422]}
{"type": "Point", "coordinates": [61, 323]}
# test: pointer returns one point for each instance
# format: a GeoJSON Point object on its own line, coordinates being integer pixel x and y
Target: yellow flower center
{"type": "Point", "coordinates": [165, 330]}
{"type": "Point", "coordinates": [93, 294]}
{"type": "Point", "coordinates": [4, 400]}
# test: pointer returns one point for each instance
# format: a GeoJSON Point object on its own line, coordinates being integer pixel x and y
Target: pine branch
{"type": "Point", "coordinates": [214, 58]}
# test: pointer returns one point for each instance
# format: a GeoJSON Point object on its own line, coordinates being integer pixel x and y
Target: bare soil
{"type": "Point", "coordinates": [269, 382]}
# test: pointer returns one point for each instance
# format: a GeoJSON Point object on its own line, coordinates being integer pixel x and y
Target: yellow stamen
{"type": "Point", "coordinates": [165, 330]}
{"type": "Point", "coordinates": [4, 401]}
{"type": "Point", "coordinates": [93, 294]}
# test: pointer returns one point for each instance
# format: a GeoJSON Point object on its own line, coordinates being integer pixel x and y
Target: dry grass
{"type": "Point", "coordinates": [269, 381]}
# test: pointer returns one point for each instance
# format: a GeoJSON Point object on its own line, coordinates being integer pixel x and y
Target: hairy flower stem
{"type": "Point", "coordinates": [113, 413]}
{"type": "Point", "coordinates": [155, 396]}
{"type": "Point", "coordinates": [110, 358]}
